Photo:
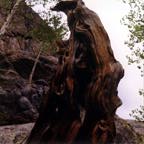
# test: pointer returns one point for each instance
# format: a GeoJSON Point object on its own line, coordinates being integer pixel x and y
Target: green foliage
{"type": "Point", "coordinates": [52, 19]}
{"type": "Point", "coordinates": [134, 20]}
{"type": "Point", "coordinates": [51, 28]}
{"type": "Point", "coordinates": [138, 114]}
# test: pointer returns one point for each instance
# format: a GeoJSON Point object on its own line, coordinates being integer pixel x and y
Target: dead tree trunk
{"type": "Point", "coordinates": [82, 101]}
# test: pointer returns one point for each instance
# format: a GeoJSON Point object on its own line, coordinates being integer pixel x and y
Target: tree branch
{"type": "Point", "coordinates": [6, 24]}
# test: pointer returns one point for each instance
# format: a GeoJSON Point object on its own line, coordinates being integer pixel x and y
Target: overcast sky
{"type": "Point", "coordinates": [111, 12]}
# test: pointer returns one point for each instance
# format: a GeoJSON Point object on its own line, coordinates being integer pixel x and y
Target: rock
{"type": "Point", "coordinates": [14, 85]}
{"type": "Point", "coordinates": [138, 126]}
{"type": "Point", "coordinates": [24, 103]}
{"type": "Point", "coordinates": [127, 132]}
{"type": "Point", "coordinates": [24, 24]}
{"type": "Point", "coordinates": [14, 134]}
{"type": "Point", "coordinates": [36, 98]}
{"type": "Point", "coordinates": [2, 92]}
{"type": "Point", "coordinates": [19, 103]}
{"type": "Point", "coordinates": [17, 108]}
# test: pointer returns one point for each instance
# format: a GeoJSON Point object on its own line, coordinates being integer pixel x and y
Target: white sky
{"type": "Point", "coordinates": [111, 12]}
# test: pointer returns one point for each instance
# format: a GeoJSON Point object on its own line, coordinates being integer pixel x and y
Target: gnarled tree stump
{"type": "Point", "coordinates": [81, 104]}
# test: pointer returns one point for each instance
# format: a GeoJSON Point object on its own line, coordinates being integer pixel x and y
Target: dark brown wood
{"type": "Point", "coordinates": [82, 100]}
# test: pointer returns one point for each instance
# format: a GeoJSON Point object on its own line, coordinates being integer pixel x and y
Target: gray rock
{"type": "Point", "coordinates": [14, 134]}
{"type": "Point", "coordinates": [2, 91]}
{"type": "Point", "coordinates": [126, 133]}
{"type": "Point", "coordinates": [24, 103]}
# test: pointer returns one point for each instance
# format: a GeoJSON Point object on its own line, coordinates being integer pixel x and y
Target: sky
{"type": "Point", "coordinates": [110, 13]}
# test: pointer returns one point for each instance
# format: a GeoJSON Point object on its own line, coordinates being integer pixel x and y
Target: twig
{"type": "Point", "coordinates": [9, 18]}
{"type": "Point", "coordinates": [34, 67]}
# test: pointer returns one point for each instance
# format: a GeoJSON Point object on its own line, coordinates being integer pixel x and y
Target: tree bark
{"type": "Point", "coordinates": [82, 100]}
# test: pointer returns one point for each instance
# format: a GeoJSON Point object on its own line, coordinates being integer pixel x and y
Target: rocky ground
{"type": "Point", "coordinates": [128, 132]}
{"type": "Point", "coordinates": [14, 134]}
{"type": "Point", "coordinates": [138, 126]}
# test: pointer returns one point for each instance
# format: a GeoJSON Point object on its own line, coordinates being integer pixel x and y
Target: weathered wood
{"type": "Point", "coordinates": [82, 100]}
